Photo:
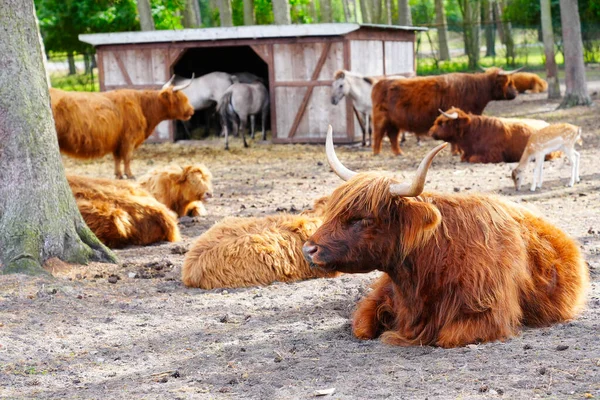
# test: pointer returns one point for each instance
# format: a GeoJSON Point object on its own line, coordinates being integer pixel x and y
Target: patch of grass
{"type": "Point", "coordinates": [78, 82]}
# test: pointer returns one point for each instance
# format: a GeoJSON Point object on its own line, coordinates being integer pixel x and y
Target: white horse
{"type": "Point", "coordinates": [358, 88]}
{"type": "Point", "coordinates": [239, 101]}
{"type": "Point", "coordinates": [205, 92]}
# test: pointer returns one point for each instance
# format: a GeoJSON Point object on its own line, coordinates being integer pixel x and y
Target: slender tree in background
{"type": "Point", "coordinates": [38, 215]}
{"type": "Point", "coordinates": [191, 14]}
{"type": "Point", "coordinates": [365, 10]}
{"type": "Point", "coordinates": [576, 93]}
{"type": "Point", "coordinates": [442, 27]}
{"type": "Point", "coordinates": [249, 16]}
{"type": "Point", "coordinates": [548, 37]}
{"type": "Point", "coordinates": [225, 13]}
{"type": "Point", "coordinates": [145, 13]}
{"type": "Point", "coordinates": [505, 32]}
{"type": "Point", "coordinates": [347, 14]}
{"type": "Point", "coordinates": [281, 12]}
{"type": "Point", "coordinates": [377, 11]}
{"type": "Point", "coordinates": [326, 12]}
{"type": "Point", "coordinates": [388, 12]}
{"type": "Point", "coordinates": [471, 18]}
{"type": "Point", "coordinates": [404, 14]}
{"type": "Point", "coordinates": [488, 19]}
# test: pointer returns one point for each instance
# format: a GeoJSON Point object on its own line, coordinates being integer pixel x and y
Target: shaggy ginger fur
{"type": "Point", "coordinates": [459, 269]}
{"type": "Point", "coordinates": [90, 125]}
{"type": "Point", "coordinates": [121, 214]}
{"type": "Point", "coordinates": [239, 252]}
{"type": "Point", "coordinates": [181, 188]}
{"type": "Point", "coordinates": [527, 81]}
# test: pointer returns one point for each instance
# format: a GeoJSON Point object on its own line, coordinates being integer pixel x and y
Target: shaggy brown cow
{"type": "Point", "coordinates": [412, 104]}
{"type": "Point", "coordinates": [181, 188]}
{"type": "Point", "coordinates": [458, 269]}
{"type": "Point", "coordinates": [527, 81]}
{"type": "Point", "coordinates": [482, 139]}
{"type": "Point", "coordinates": [91, 125]}
{"type": "Point", "coordinates": [239, 252]}
{"type": "Point", "coordinates": [121, 214]}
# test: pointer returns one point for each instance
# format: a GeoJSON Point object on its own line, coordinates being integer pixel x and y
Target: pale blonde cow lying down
{"type": "Point", "coordinates": [239, 252]}
{"type": "Point", "coordinates": [120, 213]}
{"type": "Point", "coordinates": [181, 188]}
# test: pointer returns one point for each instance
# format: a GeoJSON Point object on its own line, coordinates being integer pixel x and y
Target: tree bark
{"type": "Point", "coordinates": [145, 14]}
{"type": "Point", "coordinates": [404, 13]}
{"type": "Point", "coordinates": [281, 12]}
{"type": "Point", "coordinates": [471, 18]}
{"type": "Point", "coordinates": [38, 215]}
{"type": "Point", "coordinates": [548, 38]}
{"type": "Point", "coordinates": [249, 17]}
{"type": "Point", "coordinates": [225, 13]}
{"type": "Point", "coordinates": [576, 93]}
{"type": "Point", "coordinates": [365, 10]}
{"type": "Point", "coordinates": [326, 14]}
{"type": "Point", "coordinates": [376, 7]}
{"type": "Point", "coordinates": [490, 37]}
{"type": "Point", "coordinates": [442, 27]}
{"type": "Point", "coordinates": [71, 62]}
{"type": "Point", "coordinates": [346, 8]}
{"type": "Point", "coordinates": [505, 32]}
{"type": "Point", "coordinates": [191, 14]}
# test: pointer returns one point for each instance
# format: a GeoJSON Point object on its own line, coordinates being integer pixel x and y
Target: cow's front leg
{"type": "Point", "coordinates": [374, 312]}
{"type": "Point", "coordinates": [127, 156]}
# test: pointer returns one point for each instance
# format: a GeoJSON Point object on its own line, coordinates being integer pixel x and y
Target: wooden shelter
{"type": "Point", "coordinates": [296, 61]}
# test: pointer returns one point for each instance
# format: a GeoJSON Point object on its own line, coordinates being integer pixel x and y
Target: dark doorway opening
{"type": "Point", "coordinates": [204, 60]}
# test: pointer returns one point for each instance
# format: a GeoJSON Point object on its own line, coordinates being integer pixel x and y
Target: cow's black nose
{"type": "Point", "coordinates": [309, 250]}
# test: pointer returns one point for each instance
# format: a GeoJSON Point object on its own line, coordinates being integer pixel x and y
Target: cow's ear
{"type": "Point", "coordinates": [419, 222]}
{"type": "Point", "coordinates": [165, 94]}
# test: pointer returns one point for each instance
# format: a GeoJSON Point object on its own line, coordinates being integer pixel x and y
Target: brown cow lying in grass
{"type": "Point", "coordinates": [458, 269]}
{"type": "Point", "coordinates": [483, 139]}
{"type": "Point", "coordinates": [91, 125]}
{"type": "Point", "coordinates": [239, 252]}
{"type": "Point", "coordinates": [181, 188]}
{"type": "Point", "coordinates": [122, 214]}
{"type": "Point", "coordinates": [527, 81]}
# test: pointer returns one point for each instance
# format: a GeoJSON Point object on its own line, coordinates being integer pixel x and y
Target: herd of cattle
{"type": "Point", "coordinates": [458, 269]}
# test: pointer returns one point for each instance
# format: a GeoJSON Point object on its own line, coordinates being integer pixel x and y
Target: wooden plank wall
{"type": "Point", "coordinates": [139, 68]}
{"type": "Point", "coordinates": [294, 66]}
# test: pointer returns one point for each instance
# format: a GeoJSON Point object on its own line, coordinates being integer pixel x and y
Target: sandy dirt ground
{"type": "Point", "coordinates": [132, 330]}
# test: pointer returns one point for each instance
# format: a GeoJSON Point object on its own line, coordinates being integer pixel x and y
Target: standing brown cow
{"type": "Point", "coordinates": [458, 269]}
{"type": "Point", "coordinates": [91, 125]}
{"type": "Point", "coordinates": [412, 104]}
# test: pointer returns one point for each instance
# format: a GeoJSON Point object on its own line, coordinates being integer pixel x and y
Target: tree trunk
{"type": "Point", "coordinates": [346, 7]}
{"type": "Point", "coordinates": [87, 62]}
{"type": "Point", "coordinates": [505, 32]}
{"type": "Point", "coordinates": [313, 12]}
{"type": "Point", "coordinates": [326, 14]}
{"type": "Point", "coordinates": [145, 13]}
{"type": "Point", "coordinates": [365, 10]}
{"type": "Point", "coordinates": [442, 27]}
{"type": "Point", "coordinates": [490, 37]}
{"type": "Point", "coordinates": [404, 13]}
{"type": "Point", "coordinates": [71, 62]}
{"type": "Point", "coordinates": [191, 14]}
{"type": "Point", "coordinates": [548, 37]}
{"type": "Point", "coordinates": [225, 13]}
{"type": "Point", "coordinates": [38, 215]}
{"type": "Point", "coordinates": [471, 18]}
{"type": "Point", "coordinates": [376, 7]}
{"type": "Point", "coordinates": [576, 93]}
{"type": "Point", "coordinates": [249, 17]}
{"type": "Point", "coordinates": [281, 12]}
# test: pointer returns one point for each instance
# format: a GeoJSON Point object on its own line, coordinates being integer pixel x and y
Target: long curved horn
{"type": "Point", "coordinates": [415, 188]}
{"type": "Point", "coordinates": [181, 87]}
{"type": "Point", "coordinates": [454, 115]}
{"type": "Point", "coordinates": [334, 162]}
{"type": "Point", "coordinates": [483, 68]}
{"type": "Point", "coordinates": [168, 84]}
{"type": "Point", "coordinates": [511, 72]}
